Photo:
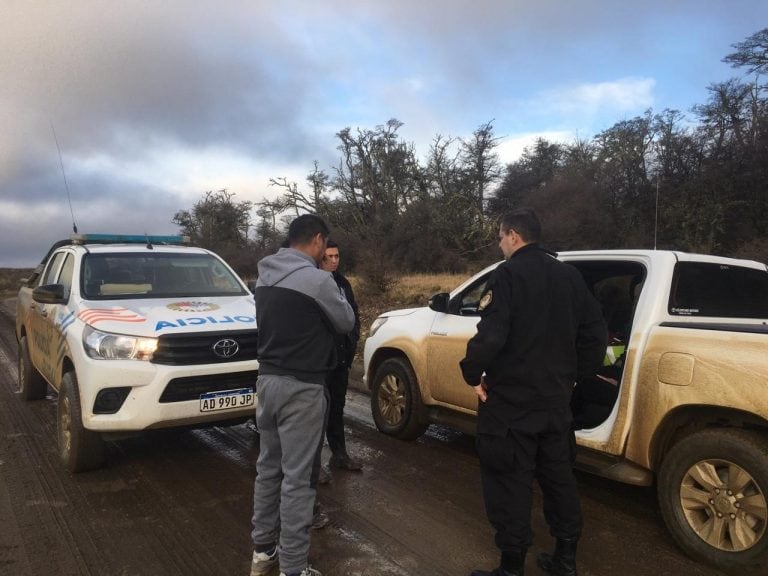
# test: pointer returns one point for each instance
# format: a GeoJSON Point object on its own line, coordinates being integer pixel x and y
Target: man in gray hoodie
{"type": "Point", "coordinates": [299, 309]}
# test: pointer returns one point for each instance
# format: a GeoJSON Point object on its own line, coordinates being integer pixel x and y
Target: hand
{"type": "Point", "coordinates": [481, 390]}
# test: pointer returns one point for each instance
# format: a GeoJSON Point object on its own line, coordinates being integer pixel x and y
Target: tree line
{"type": "Point", "coordinates": [660, 179]}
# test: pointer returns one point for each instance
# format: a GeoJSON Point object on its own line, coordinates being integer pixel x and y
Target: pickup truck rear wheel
{"type": "Point", "coordinates": [396, 400]}
{"type": "Point", "coordinates": [32, 385]}
{"type": "Point", "coordinates": [80, 449]}
{"type": "Point", "coordinates": [713, 494]}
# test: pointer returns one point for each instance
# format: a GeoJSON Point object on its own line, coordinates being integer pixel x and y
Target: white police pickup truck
{"type": "Point", "coordinates": [134, 333]}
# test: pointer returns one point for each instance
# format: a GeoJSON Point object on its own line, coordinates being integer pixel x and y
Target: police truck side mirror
{"type": "Point", "coordinates": [49, 294]}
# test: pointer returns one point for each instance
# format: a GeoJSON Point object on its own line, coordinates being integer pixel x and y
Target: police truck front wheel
{"type": "Point", "coordinates": [32, 385]}
{"type": "Point", "coordinates": [396, 400]}
{"type": "Point", "coordinates": [713, 494]}
{"type": "Point", "coordinates": [80, 449]}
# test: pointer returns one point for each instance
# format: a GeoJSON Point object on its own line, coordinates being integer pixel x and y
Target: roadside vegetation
{"type": "Point", "coordinates": [10, 280]}
{"type": "Point", "coordinates": [411, 291]}
{"type": "Point", "coordinates": [693, 180]}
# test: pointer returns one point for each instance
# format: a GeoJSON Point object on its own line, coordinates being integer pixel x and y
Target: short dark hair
{"type": "Point", "coordinates": [331, 244]}
{"type": "Point", "coordinates": [523, 221]}
{"type": "Point", "coordinates": [305, 227]}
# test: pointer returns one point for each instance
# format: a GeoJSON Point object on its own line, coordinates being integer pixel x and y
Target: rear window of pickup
{"type": "Point", "coordinates": [718, 290]}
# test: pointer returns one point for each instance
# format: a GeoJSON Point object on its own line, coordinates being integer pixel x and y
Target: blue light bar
{"type": "Point", "coordinates": [127, 239]}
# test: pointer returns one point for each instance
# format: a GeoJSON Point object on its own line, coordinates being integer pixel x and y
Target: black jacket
{"type": "Point", "coordinates": [540, 329]}
{"type": "Point", "coordinates": [346, 344]}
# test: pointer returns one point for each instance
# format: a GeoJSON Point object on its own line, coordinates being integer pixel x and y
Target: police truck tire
{"type": "Point", "coordinates": [713, 494]}
{"type": "Point", "coordinates": [396, 400]}
{"type": "Point", "coordinates": [32, 385]}
{"type": "Point", "coordinates": [80, 449]}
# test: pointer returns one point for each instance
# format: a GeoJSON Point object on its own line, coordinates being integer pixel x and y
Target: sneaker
{"type": "Point", "coordinates": [308, 571]}
{"type": "Point", "coordinates": [263, 562]}
{"type": "Point", "coordinates": [344, 462]}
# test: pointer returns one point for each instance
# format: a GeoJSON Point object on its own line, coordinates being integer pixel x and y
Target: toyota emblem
{"type": "Point", "coordinates": [226, 348]}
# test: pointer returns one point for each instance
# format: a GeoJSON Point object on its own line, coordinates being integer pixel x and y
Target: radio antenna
{"type": "Point", "coordinates": [66, 186]}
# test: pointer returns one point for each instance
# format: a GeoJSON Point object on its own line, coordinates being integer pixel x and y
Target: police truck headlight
{"type": "Point", "coordinates": [107, 346]}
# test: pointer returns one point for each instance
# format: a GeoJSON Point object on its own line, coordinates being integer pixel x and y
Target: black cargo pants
{"type": "Point", "coordinates": [539, 444]}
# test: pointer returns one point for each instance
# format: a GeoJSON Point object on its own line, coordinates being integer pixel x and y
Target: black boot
{"type": "Point", "coordinates": [563, 561]}
{"type": "Point", "coordinates": [512, 564]}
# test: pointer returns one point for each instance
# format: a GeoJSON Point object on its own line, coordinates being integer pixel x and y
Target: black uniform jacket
{"type": "Point", "coordinates": [540, 329]}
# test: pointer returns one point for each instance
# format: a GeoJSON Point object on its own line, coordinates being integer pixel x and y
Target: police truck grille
{"type": "Point", "coordinates": [191, 387]}
{"type": "Point", "coordinates": [206, 348]}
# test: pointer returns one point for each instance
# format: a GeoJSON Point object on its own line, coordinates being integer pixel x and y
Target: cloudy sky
{"type": "Point", "coordinates": [153, 103]}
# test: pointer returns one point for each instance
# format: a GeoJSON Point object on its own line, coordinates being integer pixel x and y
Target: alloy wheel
{"type": "Point", "coordinates": [392, 399]}
{"type": "Point", "coordinates": [724, 505]}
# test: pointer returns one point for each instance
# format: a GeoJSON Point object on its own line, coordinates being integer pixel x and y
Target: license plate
{"type": "Point", "coordinates": [240, 398]}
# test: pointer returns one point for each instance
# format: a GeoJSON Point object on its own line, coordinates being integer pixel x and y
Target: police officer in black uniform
{"type": "Point", "coordinates": [540, 329]}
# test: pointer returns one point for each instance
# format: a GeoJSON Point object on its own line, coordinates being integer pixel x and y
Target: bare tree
{"type": "Point", "coordinates": [481, 163]}
{"type": "Point", "coordinates": [752, 53]}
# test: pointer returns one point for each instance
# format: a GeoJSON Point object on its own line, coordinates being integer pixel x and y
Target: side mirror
{"type": "Point", "coordinates": [439, 302]}
{"type": "Point", "coordinates": [49, 294]}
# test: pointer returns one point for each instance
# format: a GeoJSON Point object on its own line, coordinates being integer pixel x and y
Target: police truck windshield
{"type": "Point", "coordinates": [156, 275]}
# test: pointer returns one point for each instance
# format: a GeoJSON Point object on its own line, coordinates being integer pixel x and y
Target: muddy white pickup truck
{"type": "Point", "coordinates": [134, 333]}
{"type": "Point", "coordinates": [682, 400]}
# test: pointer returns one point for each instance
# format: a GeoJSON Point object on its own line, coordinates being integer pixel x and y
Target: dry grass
{"type": "Point", "coordinates": [10, 280]}
{"type": "Point", "coordinates": [416, 289]}
{"type": "Point", "coordinates": [405, 292]}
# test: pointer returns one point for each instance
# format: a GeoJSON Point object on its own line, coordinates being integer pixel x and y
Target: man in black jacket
{"type": "Point", "coordinates": [338, 378]}
{"type": "Point", "coordinates": [540, 329]}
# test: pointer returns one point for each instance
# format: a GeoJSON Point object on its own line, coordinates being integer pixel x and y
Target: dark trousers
{"type": "Point", "coordinates": [337, 381]}
{"type": "Point", "coordinates": [541, 445]}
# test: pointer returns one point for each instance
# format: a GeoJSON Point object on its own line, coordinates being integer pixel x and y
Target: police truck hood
{"type": "Point", "coordinates": [153, 317]}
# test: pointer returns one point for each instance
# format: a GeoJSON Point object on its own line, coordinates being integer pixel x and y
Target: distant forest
{"type": "Point", "coordinates": [695, 183]}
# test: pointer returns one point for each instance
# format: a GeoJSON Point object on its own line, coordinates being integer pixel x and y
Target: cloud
{"type": "Point", "coordinates": [155, 103]}
{"type": "Point", "coordinates": [111, 77]}
{"type": "Point", "coordinates": [625, 95]}
{"type": "Point", "coordinates": [583, 108]}
{"type": "Point", "coordinates": [511, 148]}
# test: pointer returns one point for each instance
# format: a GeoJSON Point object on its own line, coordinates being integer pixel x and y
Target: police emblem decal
{"type": "Point", "coordinates": [485, 300]}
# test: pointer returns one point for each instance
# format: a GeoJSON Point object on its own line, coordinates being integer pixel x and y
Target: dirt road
{"type": "Point", "coordinates": [178, 503]}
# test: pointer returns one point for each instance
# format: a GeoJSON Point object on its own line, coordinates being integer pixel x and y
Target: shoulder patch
{"type": "Point", "coordinates": [485, 300]}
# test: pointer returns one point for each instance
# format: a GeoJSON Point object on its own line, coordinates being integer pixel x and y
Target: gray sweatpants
{"type": "Point", "coordinates": [290, 416]}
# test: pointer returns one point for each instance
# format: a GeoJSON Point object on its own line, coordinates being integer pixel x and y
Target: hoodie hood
{"type": "Point", "coordinates": [275, 268]}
